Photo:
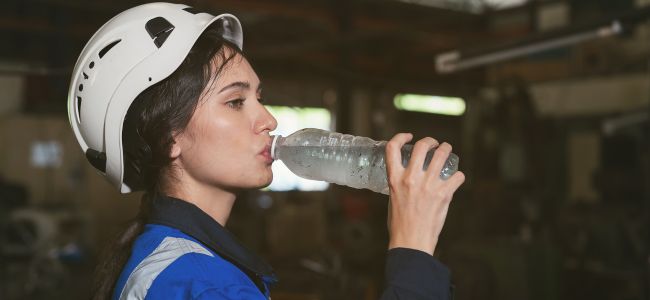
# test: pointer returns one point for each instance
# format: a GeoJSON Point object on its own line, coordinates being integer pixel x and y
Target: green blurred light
{"type": "Point", "coordinates": [450, 106]}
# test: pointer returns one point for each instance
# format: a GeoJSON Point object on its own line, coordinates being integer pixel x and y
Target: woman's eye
{"type": "Point", "coordinates": [236, 104]}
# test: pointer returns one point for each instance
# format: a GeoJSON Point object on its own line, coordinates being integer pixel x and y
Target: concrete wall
{"type": "Point", "coordinates": [12, 93]}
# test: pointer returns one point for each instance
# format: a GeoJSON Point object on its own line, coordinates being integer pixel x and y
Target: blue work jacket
{"type": "Point", "coordinates": [185, 254]}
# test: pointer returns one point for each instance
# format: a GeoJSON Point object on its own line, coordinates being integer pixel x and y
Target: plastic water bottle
{"type": "Point", "coordinates": [344, 159]}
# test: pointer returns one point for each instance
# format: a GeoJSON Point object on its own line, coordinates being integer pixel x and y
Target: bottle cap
{"type": "Point", "coordinates": [275, 139]}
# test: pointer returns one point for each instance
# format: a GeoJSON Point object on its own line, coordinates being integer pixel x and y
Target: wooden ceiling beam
{"type": "Point", "coordinates": [375, 16]}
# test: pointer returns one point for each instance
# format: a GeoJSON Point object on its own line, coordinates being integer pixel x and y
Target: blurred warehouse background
{"type": "Point", "coordinates": [545, 102]}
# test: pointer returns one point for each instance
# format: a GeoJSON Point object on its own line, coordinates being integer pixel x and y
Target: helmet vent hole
{"type": "Point", "coordinates": [81, 87]}
{"type": "Point", "coordinates": [85, 75]}
{"type": "Point", "coordinates": [159, 30]}
{"type": "Point", "coordinates": [149, 78]}
{"type": "Point", "coordinates": [192, 10]}
{"type": "Point", "coordinates": [79, 108]}
{"type": "Point", "coordinates": [92, 64]}
{"type": "Point", "coordinates": [107, 48]}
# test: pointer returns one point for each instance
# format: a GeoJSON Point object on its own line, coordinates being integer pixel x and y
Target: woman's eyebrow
{"type": "Point", "coordinates": [236, 84]}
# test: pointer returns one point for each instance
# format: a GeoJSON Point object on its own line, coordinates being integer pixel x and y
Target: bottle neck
{"type": "Point", "coordinates": [277, 141]}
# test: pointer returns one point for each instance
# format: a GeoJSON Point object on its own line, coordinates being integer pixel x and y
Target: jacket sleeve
{"type": "Point", "coordinates": [413, 274]}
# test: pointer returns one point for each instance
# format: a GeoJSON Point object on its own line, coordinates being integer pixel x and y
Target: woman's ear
{"type": "Point", "coordinates": [175, 151]}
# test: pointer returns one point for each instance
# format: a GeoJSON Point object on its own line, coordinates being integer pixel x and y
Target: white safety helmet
{"type": "Point", "coordinates": [134, 50]}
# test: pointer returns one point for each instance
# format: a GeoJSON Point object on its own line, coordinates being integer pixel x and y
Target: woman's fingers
{"type": "Point", "coordinates": [394, 154]}
{"type": "Point", "coordinates": [456, 180]}
{"type": "Point", "coordinates": [439, 159]}
{"type": "Point", "coordinates": [420, 152]}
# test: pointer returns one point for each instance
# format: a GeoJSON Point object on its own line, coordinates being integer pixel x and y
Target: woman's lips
{"type": "Point", "coordinates": [266, 154]}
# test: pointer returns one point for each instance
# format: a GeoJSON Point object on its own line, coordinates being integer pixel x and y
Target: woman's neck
{"type": "Point", "coordinates": [215, 202]}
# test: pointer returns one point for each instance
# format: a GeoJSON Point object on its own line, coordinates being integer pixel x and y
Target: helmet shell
{"type": "Point", "coordinates": [132, 51]}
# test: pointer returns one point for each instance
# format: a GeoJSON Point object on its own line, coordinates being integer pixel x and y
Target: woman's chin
{"type": "Point", "coordinates": [264, 181]}
{"type": "Point", "coordinates": [268, 181]}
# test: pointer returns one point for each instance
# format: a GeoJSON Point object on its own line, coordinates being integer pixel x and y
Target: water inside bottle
{"type": "Point", "coordinates": [354, 166]}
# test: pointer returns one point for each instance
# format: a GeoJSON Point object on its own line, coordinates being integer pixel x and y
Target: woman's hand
{"type": "Point", "coordinates": [419, 199]}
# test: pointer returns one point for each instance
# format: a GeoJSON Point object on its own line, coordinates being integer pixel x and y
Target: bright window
{"type": "Point", "coordinates": [451, 106]}
{"type": "Point", "coordinates": [291, 119]}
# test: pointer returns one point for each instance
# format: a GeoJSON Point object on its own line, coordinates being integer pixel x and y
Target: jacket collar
{"type": "Point", "coordinates": [193, 221]}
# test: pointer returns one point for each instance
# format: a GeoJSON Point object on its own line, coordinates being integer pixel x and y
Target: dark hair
{"type": "Point", "coordinates": [156, 115]}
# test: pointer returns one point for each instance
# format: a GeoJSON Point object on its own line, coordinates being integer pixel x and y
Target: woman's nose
{"type": "Point", "coordinates": [266, 121]}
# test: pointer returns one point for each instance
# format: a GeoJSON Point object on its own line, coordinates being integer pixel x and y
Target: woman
{"type": "Point", "coordinates": [163, 100]}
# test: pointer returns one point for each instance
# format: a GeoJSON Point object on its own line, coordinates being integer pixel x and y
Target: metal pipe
{"type": "Point", "coordinates": [454, 61]}
{"type": "Point", "coordinates": [611, 126]}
